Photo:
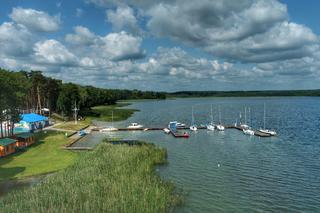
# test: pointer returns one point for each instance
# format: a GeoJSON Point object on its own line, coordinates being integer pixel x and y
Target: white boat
{"type": "Point", "coordinates": [264, 130]}
{"type": "Point", "coordinates": [135, 126]}
{"type": "Point", "coordinates": [166, 130]}
{"type": "Point", "coordinates": [267, 131]}
{"type": "Point", "coordinates": [220, 127]}
{"type": "Point", "coordinates": [248, 131]}
{"type": "Point", "coordinates": [180, 125]}
{"type": "Point", "coordinates": [193, 127]}
{"type": "Point", "coordinates": [210, 126]}
{"type": "Point", "coordinates": [109, 128]}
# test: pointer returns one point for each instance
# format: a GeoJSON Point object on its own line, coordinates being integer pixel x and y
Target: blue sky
{"type": "Point", "coordinates": [165, 45]}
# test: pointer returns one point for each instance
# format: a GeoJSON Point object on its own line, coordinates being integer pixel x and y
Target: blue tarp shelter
{"type": "Point", "coordinates": [33, 121]}
{"type": "Point", "coordinates": [32, 118]}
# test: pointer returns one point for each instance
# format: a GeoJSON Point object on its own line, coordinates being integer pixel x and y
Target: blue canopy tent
{"type": "Point", "coordinates": [33, 121]}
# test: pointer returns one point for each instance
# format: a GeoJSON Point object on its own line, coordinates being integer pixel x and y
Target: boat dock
{"type": "Point", "coordinates": [179, 135]}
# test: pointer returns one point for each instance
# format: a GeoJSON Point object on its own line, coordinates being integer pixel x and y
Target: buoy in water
{"type": "Point", "coordinates": [218, 164]}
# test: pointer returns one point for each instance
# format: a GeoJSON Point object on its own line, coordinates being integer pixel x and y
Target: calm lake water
{"type": "Point", "coordinates": [232, 172]}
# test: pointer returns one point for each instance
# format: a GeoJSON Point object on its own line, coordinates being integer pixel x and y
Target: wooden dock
{"type": "Point", "coordinates": [179, 135]}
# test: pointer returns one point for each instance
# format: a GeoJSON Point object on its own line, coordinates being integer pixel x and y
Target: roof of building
{"type": "Point", "coordinates": [31, 118]}
{"type": "Point", "coordinates": [24, 135]}
{"type": "Point", "coordinates": [6, 141]}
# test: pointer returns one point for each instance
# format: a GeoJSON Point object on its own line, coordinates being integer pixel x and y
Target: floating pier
{"type": "Point", "coordinates": [179, 135]}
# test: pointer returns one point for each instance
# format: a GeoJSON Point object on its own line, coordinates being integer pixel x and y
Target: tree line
{"type": "Point", "coordinates": [32, 91]}
{"type": "Point", "coordinates": [185, 94]}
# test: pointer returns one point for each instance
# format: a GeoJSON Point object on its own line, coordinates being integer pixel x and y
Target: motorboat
{"type": "Point", "coordinates": [82, 133]}
{"type": "Point", "coordinates": [220, 127]}
{"type": "Point", "coordinates": [166, 130]}
{"type": "Point", "coordinates": [267, 131]}
{"type": "Point", "coordinates": [135, 126]}
{"type": "Point", "coordinates": [210, 127]}
{"type": "Point", "coordinates": [193, 128]}
{"type": "Point", "coordinates": [185, 135]}
{"type": "Point", "coordinates": [180, 125]}
{"type": "Point", "coordinates": [248, 131]}
{"type": "Point", "coordinates": [108, 129]}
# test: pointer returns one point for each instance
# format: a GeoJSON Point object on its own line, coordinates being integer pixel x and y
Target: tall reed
{"type": "Point", "coordinates": [112, 178]}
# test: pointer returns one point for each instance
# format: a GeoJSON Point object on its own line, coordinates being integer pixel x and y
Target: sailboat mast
{"type": "Point", "coordinates": [219, 115]}
{"type": "Point", "coordinates": [192, 118]}
{"type": "Point", "coordinates": [264, 116]}
{"type": "Point", "coordinates": [245, 115]}
{"type": "Point", "coordinates": [211, 115]}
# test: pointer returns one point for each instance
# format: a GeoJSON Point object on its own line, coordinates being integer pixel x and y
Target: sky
{"type": "Point", "coordinates": [165, 45]}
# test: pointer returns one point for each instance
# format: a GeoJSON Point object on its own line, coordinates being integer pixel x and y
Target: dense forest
{"type": "Point", "coordinates": [184, 94]}
{"type": "Point", "coordinates": [32, 91]}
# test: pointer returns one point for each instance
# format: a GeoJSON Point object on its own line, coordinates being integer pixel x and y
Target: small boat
{"type": "Point", "coordinates": [145, 129]}
{"type": "Point", "coordinates": [166, 130]}
{"type": "Point", "coordinates": [267, 131]}
{"type": "Point", "coordinates": [264, 130]}
{"type": "Point", "coordinates": [248, 132]}
{"type": "Point", "coordinates": [220, 127]}
{"type": "Point", "coordinates": [180, 125]}
{"type": "Point", "coordinates": [210, 127]}
{"type": "Point", "coordinates": [193, 127]}
{"type": "Point", "coordinates": [108, 129]}
{"type": "Point", "coordinates": [82, 133]}
{"type": "Point", "coordinates": [185, 135]}
{"type": "Point", "coordinates": [135, 126]}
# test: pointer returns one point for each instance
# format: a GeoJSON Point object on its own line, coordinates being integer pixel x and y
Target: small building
{"type": "Point", "coordinates": [7, 146]}
{"type": "Point", "coordinates": [33, 121]}
{"type": "Point", "coordinates": [24, 139]}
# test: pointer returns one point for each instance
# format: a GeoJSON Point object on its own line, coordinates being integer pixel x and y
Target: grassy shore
{"type": "Point", "coordinates": [44, 156]}
{"type": "Point", "coordinates": [101, 113]}
{"type": "Point", "coordinates": [104, 113]}
{"type": "Point", "coordinates": [112, 178]}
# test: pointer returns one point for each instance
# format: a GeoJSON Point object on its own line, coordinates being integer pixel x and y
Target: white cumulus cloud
{"type": "Point", "coordinates": [35, 19]}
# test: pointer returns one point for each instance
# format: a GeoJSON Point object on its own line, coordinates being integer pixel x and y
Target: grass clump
{"type": "Point", "coordinates": [44, 156]}
{"type": "Point", "coordinates": [112, 178]}
{"type": "Point", "coordinates": [104, 113]}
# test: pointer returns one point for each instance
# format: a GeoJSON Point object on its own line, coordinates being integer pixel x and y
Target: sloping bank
{"type": "Point", "coordinates": [112, 178]}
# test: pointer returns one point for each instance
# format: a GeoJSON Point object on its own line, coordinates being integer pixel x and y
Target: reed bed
{"type": "Point", "coordinates": [112, 178]}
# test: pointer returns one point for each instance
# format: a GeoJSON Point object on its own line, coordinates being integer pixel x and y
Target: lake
{"type": "Point", "coordinates": [232, 172]}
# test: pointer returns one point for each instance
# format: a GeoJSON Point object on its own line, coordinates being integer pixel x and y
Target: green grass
{"type": "Point", "coordinates": [44, 156]}
{"type": "Point", "coordinates": [112, 178]}
{"type": "Point", "coordinates": [105, 112]}
{"type": "Point", "coordinates": [101, 113]}
{"type": "Point", "coordinates": [70, 125]}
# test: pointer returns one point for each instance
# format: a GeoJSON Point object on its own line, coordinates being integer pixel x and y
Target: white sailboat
{"type": "Point", "coordinates": [210, 126]}
{"type": "Point", "coordinates": [244, 125]}
{"type": "Point", "coordinates": [220, 127]}
{"type": "Point", "coordinates": [193, 127]}
{"type": "Point", "coordinates": [247, 129]}
{"type": "Point", "coordinates": [109, 128]}
{"type": "Point", "coordinates": [264, 130]}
